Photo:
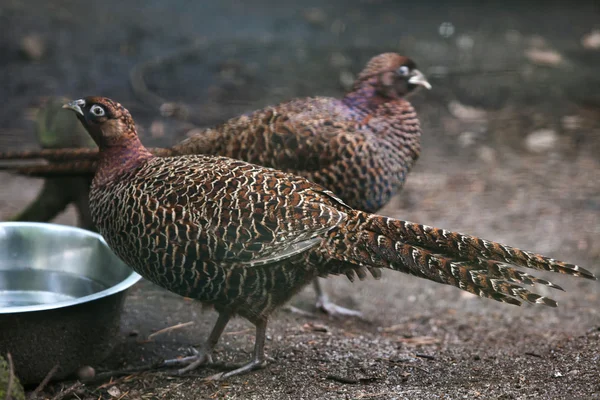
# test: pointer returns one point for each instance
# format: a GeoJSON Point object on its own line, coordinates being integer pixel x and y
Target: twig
{"type": "Point", "coordinates": [123, 395]}
{"type": "Point", "coordinates": [342, 379]}
{"type": "Point", "coordinates": [419, 340]}
{"type": "Point", "coordinates": [351, 381]}
{"type": "Point", "coordinates": [124, 372]}
{"type": "Point", "coordinates": [44, 382]}
{"type": "Point", "coordinates": [425, 356]}
{"type": "Point", "coordinates": [368, 395]}
{"type": "Point", "coordinates": [237, 332]}
{"type": "Point", "coordinates": [11, 376]}
{"type": "Point", "coordinates": [532, 354]}
{"type": "Point", "coordinates": [65, 392]}
{"type": "Point", "coordinates": [419, 368]}
{"type": "Point", "coordinates": [170, 328]}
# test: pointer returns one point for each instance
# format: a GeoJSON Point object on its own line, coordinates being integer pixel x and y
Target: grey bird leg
{"type": "Point", "coordinates": [330, 308]}
{"type": "Point", "coordinates": [203, 355]}
{"type": "Point", "coordinates": [259, 360]}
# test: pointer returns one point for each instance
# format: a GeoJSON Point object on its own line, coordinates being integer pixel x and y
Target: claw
{"type": "Point", "coordinates": [191, 362]}
{"type": "Point", "coordinates": [333, 310]}
{"type": "Point", "coordinates": [253, 365]}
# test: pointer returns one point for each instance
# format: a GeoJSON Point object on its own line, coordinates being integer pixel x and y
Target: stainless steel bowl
{"type": "Point", "coordinates": [61, 296]}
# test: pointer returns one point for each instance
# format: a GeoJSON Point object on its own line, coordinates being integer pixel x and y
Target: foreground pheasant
{"type": "Point", "coordinates": [245, 238]}
{"type": "Point", "coordinates": [360, 147]}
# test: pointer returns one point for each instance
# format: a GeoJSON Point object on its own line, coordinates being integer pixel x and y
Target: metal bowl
{"type": "Point", "coordinates": [61, 296]}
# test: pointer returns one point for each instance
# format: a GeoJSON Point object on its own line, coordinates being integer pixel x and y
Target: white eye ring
{"type": "Point", "coordinates": [97, 110]}
{"type": "Point", "coordinates": [403, 70]}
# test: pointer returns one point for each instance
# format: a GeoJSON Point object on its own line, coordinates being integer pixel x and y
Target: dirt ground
{"type": "Point", "coordinates": [510, 153]}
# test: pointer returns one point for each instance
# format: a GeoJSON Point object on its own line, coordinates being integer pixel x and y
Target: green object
{"type": "Point", "coordinates": [17, 392]}
{"type": "Point", "coordinates": [56, 128]}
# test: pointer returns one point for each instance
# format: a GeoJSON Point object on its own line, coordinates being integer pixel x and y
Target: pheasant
{"type": "Point", "coordinates": [244, 238]}
{"type": "Point", "coordinates": [360, 147]}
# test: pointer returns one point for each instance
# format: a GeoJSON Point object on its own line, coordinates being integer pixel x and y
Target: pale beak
{"type": "Point", "coordinates": [75, 106]}
{"type": "Point", "coordinates": [417, 78]}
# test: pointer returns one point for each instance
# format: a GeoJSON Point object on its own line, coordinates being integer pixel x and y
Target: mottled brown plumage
{"type": "Point", "coordinates": [360, 147]}
{"type": "Point", "coordinates": [245, 238]}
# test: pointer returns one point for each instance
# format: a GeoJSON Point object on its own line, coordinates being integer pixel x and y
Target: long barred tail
{"type": "Point", "coordinates": [61, 162]}
{"type": "Point", "coordinates": [476, 265]}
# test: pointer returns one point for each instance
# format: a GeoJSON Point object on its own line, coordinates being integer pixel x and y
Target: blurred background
{"type": "Point", "coordinates": [511, 128]}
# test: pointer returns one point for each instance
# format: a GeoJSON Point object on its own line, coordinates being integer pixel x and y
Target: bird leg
{"type": "Point", "coordinates": [259, 360]}
{"type": "Point", "coordinates": [204, 355]}
{"type": "Point", "coordinates": [330, 308]}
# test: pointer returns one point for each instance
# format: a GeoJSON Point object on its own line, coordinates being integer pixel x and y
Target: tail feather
{"type": "Point", "coordinates": [468, 276]}
{"type": "Point", "coordinates": [467, 247]}
{"type": "Point", "coordinates": [472, 264]}
{"type": "Point", "coordinates": [496, 269]}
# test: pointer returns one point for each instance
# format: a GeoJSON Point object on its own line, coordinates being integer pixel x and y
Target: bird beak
{"type": "Point", "coordinates": [417, 78]}
{"type": "Point", "coordinates": [75, 106]}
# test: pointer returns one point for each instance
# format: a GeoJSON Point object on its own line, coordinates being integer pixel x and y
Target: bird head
{"type": "Point", "coordinates": [392, 75]}
{"type": "Point", "coordinates": [107, 122]}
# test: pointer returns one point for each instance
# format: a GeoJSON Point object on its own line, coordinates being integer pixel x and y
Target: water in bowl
{"type": "Point", "coordinates": [28, 287]}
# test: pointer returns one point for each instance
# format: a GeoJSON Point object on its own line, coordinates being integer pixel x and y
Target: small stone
{"type": "Point", "coordinates": [346, 79]}
{"type": "Point", "coordinates": [446, 29]}
{"type": "Point", "coordinates": [114, 391]}
{"type": "Point", "coordinates": [557, 374]}
{"type": "Point", "coordinates": [464, 112]}
{"type": "Point", "coordinates": [467, 139]}
{"type": "Point", "coordinates": [545, 57]}
{"type": "Point", "coordinates": [33, 47]}
{"type": "Point", "coordinates": [157, 129]}
{"type": "Point", "coordinates": [315, 16]}
{"type": "Point", "coordinates": [465, 42]}
{"type": "Point", "coordinates": [86, 373]}
{"type": "Point", "coordinates": [571, 122]}
{"type": "Point", "coordinates": [487, 155]}
{"type": "Point", "coordinates": [591, 41]}
{"type": "Point", "coordinates": [541, 141]}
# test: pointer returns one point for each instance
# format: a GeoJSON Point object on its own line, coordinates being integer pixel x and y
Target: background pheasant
{"type": "Point", "coordinates": [245, 238]}
{"type": "Point", "coordinates": [360, 147]}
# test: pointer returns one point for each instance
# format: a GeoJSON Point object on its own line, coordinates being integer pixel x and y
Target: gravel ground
{"type": "Point", "coordinates": [511, 143]}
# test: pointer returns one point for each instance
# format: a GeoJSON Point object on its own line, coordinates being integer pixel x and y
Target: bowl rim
{"type": "Point", "coordinates": [125, 284]}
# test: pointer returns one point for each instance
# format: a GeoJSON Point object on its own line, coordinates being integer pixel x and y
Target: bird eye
{"type": "Point", "coordinates": [97, 110]}
{"type": "Point", "coordinates": [403, 70]}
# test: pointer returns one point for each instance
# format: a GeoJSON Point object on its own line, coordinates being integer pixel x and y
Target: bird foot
{"type": "Point", "coordinates": [333, 310]}
{"type": "Point", "coordinates": [299, 311]}
{"type": "Point", "coordinates": [251, 366]}
{"type": "Point", "coordinates": [192, 362]}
